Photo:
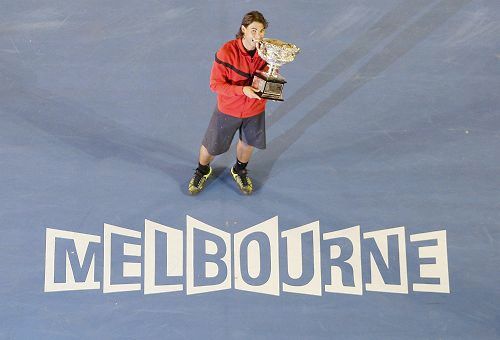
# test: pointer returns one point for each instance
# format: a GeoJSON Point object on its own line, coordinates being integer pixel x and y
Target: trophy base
{"type": "Point", "coordinates": [270, 87]}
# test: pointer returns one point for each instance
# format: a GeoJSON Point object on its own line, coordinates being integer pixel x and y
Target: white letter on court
{"type": "Point", "coordinates": [354, 261]}
{"type": "Point", "coordinates": [82, 242]}
{"type": "Point", "coordinates": [253, 263]}
{"type": "Point", "coordinates": [130, 269]}
{"type": "Point", "coordinates": [212, 270]}
{"type": "Point", "coordinates": [439, 269]}
{"type": "Point", "coordinates": [377, 282]}
{"type": "Point", "coordinates": [174, 258]}
{"type": "Point", "coordinates": [295, 259]}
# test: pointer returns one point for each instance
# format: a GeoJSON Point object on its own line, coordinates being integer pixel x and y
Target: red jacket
{"type": "Point", "coordinates": [233, 69]}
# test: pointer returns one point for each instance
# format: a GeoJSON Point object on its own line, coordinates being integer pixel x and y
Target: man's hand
{"type": "Point", "coordinates": [250, 92]}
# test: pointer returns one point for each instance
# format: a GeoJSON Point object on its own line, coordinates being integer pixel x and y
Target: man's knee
{"type": "Point", "coordinates": [244, 145]}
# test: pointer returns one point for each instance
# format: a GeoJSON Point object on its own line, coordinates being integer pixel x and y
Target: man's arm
{"type": "Point", "coordinates": [219, 83]}
{"type": "Point", "coordinates": [218, 80]}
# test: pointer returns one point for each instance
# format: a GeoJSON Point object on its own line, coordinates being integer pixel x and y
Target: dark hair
{"type": "Point", "coordinates": [253, 16]}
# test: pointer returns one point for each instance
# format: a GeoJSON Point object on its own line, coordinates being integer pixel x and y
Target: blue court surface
{"type": "Point", "coordinates": [377, 201]}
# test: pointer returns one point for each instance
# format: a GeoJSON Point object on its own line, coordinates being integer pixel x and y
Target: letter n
{"type": "Point", "coordinates": [76, 254]}
{"type": "Point", "coordinates": [388, 270]}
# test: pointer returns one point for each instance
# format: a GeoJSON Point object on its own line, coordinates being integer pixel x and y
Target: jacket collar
{"type": "Point", "coordinates": [242, 48]}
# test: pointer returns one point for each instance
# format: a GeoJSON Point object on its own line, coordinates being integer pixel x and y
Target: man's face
{"type": "Point", "coordinates": [252, 34]}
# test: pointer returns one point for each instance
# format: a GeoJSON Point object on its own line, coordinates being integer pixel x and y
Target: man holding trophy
{"type": "Point", "coordinates": [244, 74]}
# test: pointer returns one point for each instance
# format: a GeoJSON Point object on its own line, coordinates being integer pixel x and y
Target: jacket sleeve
{"type": "Point", "coordinates": [219, 81]}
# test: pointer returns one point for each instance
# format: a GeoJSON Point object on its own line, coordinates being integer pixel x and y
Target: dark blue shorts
{"type": "Point", "coordinates": [222, 128]}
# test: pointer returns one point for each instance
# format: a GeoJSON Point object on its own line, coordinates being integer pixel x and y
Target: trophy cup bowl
{"type": "Point", "coordinates": [276, 53]}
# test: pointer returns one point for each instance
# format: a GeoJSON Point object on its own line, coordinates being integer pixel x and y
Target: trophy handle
{"type": "Point", "coordinates": [260, 47]}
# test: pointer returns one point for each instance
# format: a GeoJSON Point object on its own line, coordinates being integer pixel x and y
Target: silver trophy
{"type": "Point", "coordinates": [276, 53]}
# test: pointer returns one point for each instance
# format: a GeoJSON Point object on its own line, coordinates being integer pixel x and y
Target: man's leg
{"type": "Point", "coordinates": [239, 172]}
{"type": "Point", "coordinates": [217, 139]}
{"type": "Point", "coordinates": [202, 173]}
{"type": "Point", "coordinates": [205, 157]}
{"type": "Point", "coordinates": [243, 151]}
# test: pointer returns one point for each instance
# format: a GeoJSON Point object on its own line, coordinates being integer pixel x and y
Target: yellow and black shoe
{"type": "Point", "coordinates": [197, 183]}
{"type": "Point", "coordinates": [244, 182]}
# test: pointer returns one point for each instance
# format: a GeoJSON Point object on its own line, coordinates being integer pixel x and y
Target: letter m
{"type": "Point", "coordinates": [70, 261]}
